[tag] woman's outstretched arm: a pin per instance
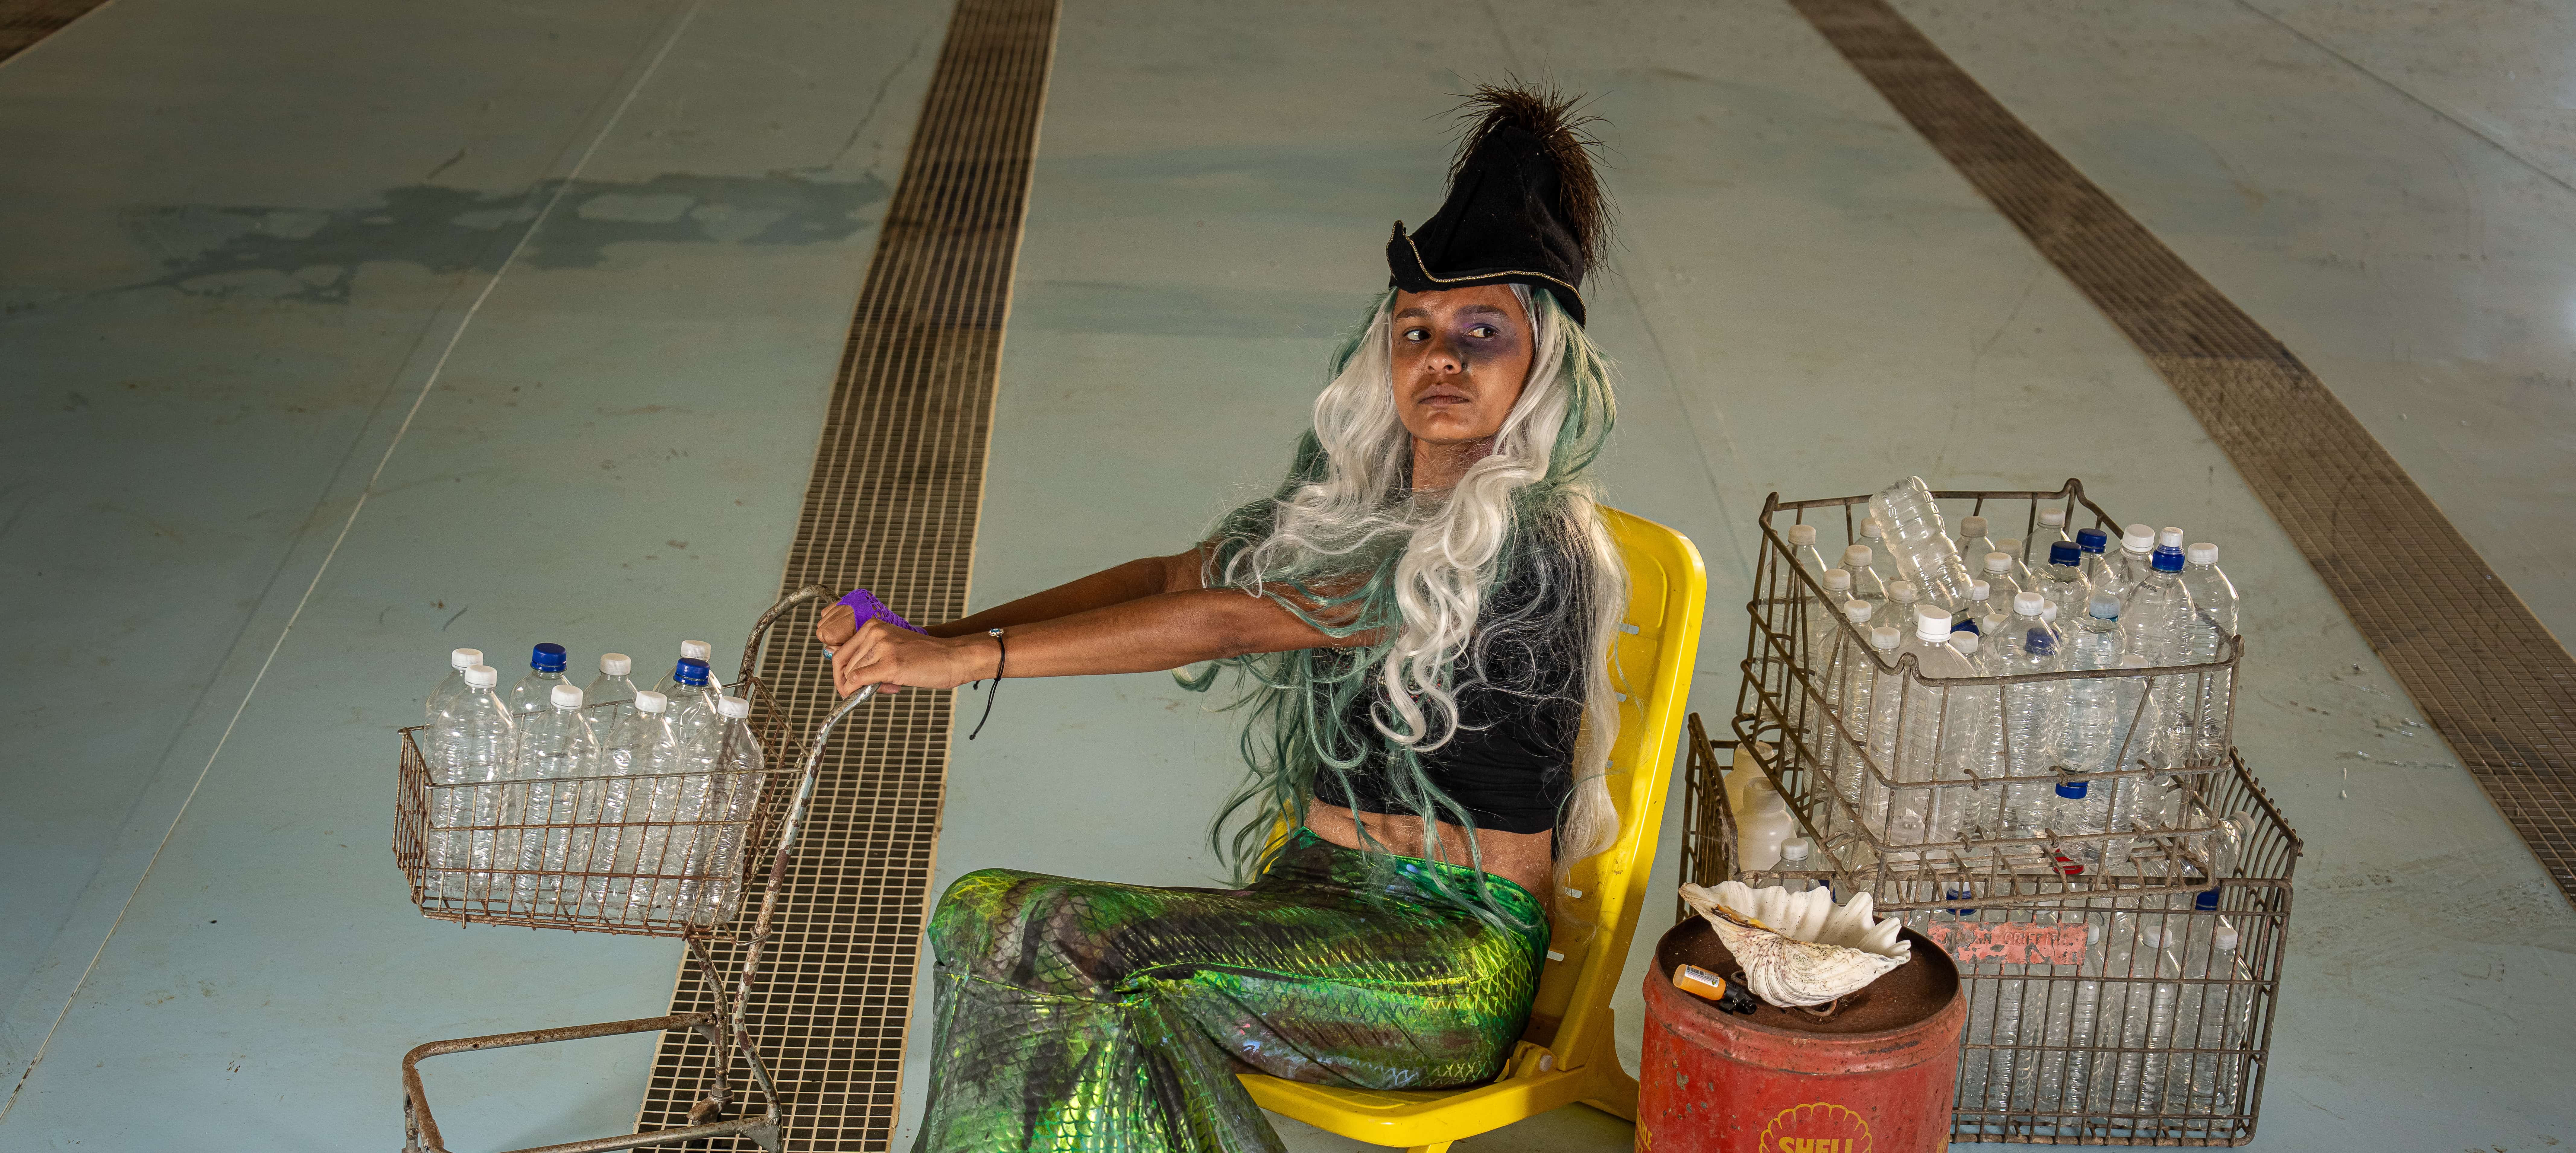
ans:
(1161, 631)
(1144, 577)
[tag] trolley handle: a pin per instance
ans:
(768, 620)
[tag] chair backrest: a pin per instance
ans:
(1651, 665)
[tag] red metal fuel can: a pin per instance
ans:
(1875, 1077)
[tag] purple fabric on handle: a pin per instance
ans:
(865, 607)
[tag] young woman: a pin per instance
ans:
(1418, 621)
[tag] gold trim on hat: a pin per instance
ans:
(1435, 278)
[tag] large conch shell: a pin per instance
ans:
(1800, 948)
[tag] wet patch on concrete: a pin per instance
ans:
(307, 254)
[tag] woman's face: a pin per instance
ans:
(1461, 357)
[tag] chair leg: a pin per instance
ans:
(1613, 1091)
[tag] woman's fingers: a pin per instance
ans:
(835, 625)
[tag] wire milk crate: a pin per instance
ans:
(2103, 1008)
(1913, 786)
(667, 855)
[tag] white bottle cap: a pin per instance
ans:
(2202, 553)
(732, 708)
(2138, 538)
(2104, 605)
(1837, 580)
(482, 676)
(1858, 611)
(1998, 562)
(2153, 936)
(1972, 526)
(651, 703)
(1885, 637)
(468, 658)
(1871, 528)
(2053, 517)
(2029, 604)
(1931, 624)
(2048, 610)
(616, 664)
(1794, 850)
(1980, 590)
(567, 696)
(2169, 537)
(1856, 557)
(1802, 534)
(1902, 593)
(2133, 660)
(2225, 940)
(1966, 642)
(698, 649)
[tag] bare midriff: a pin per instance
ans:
(1521, 858)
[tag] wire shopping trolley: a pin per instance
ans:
(656, 855)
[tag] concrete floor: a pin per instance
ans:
(234, 303)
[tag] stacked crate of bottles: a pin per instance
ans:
(2054, 800)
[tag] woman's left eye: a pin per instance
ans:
(1483, 332)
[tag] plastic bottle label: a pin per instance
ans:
(2008, 942)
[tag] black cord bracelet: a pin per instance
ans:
(1001, 658)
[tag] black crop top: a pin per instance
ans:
(1510, 763)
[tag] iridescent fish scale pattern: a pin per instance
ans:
(1085, 1016)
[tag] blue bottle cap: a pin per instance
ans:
(2092, 540)
(2205, 901)
(2037, 643)
(2167, 560)
(2065, 553)
(1967, 624)
(2072, 790)
(548, 658)
(691, 672)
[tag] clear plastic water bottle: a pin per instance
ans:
(1939, 732)
(1840, 656)
(1883, 697)
(612, 694)
(2065, 993)
(693, 702)
(2062, 580)
(642, 744)
(657, 763)
(2129, 565)
(1973, 542)
(2093, 724)
(2034, 713)
(1919, 544)
(553, 745)
(2137, 740)
(2052, 528)
(1976, 811)
(1867, 584)
(735, 792)
(1902, 600)
(1970, 617)
(2214, 627)
(2095, 544)
(1825, 626)
(1802, 548)
(2156, 618)
(1794, 854)
(1980, 1032)
(2023, 579)
(471, 750)
(2163, 1006)
(2226, 1024)
(1998, 574)
(535, 692)
(699, 651)
(454, 686)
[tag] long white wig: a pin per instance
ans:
(1347, 544)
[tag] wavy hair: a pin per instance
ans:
(1347, 544)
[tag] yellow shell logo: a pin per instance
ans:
(1815, 1127)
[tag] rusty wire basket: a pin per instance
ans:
(2078, 1032)
(1889, 795)
(662, 855)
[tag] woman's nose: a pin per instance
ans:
(1444, 359)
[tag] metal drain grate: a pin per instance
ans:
(2486, 673)
(23, 22)
(897, 484)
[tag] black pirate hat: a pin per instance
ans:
(1523, 208)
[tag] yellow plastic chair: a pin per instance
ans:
(1566, 1054)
